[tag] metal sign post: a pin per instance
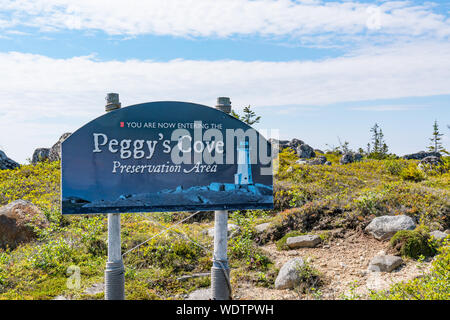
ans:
(220, 272)
(115, 271)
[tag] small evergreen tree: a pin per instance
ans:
(378, 149)
(249, 116)
(436, 144)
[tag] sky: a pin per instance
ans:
(320, 71)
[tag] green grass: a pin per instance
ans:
(307, 198)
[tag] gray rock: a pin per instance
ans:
(438, 235)
(430, 162)
(328, 163)
(200, 294)
(421, 155)
(357, 157)
(384, 263)
(320, 160)
(288, 277)
(231, 229)
(260, 228)
(55, 151)
(301, 161)
(283, 144)
(295, 143)
(384, 227)
(40, 154)
(306, 241)
(350, 157)
(7, 163)
(305, 151)
(346, 158)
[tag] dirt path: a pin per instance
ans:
(343, 263)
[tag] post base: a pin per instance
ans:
(219, 284)
(114, 281)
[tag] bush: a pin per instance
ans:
(310, 278)
(53, 257)
(412, 173)
(395, 167)
(369, 202)
(242, 247)
(412, 243)
(282, 196)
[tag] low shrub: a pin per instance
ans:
(369, 203)
(242, 247)
(412, 173)
(395, 166)
(413, 244)
(309, 278)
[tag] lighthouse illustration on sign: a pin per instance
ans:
(244, 170)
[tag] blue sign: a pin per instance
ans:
(165, 156)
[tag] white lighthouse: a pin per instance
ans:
(244, 170)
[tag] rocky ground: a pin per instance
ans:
(343, 263)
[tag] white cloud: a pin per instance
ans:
(224, 18)
(39, 95)
(395, 107)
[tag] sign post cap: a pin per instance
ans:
(112, 102)
(224, 104)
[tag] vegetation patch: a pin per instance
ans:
(310, 279)
(432, 286)
(413, 244)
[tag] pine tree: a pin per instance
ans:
(436, 145)
(375, 138)
(379, 148)
(249, 116)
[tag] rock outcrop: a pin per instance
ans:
(55, 151)
(421, 155)
(350, 158)
(40, 154)
(7, 163)
(320, 160)
(18, 222)
(430, 162)
(283, 144)
(384, 227)
(305, 151)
